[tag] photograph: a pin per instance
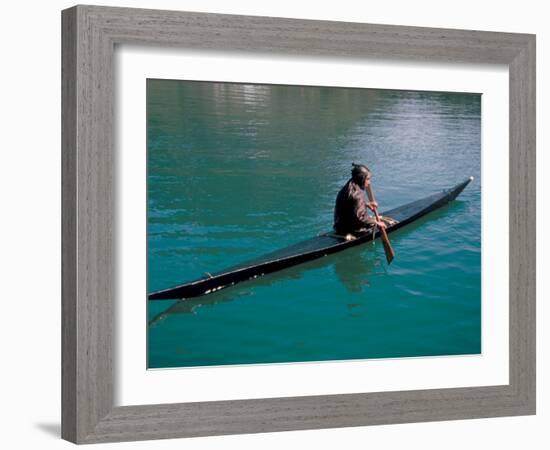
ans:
(293, 224)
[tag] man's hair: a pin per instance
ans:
(359, 173)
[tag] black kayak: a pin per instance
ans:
(307, 250)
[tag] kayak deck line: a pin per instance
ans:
(307, 250)
(351, 237)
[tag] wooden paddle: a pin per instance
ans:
(387, 246)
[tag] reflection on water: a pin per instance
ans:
(354, 280)
(354, 267)
(236, 170)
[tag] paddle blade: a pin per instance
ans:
(388, 250)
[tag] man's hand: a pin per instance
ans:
(381, 224)
(372, 205)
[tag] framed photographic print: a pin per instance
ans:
(278, 224)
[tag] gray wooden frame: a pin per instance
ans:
(89, 36)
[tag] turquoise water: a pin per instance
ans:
(238, 170)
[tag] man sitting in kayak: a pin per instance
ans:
(351, 209)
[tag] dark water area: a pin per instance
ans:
(238, 170)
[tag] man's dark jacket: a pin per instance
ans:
(350, 211)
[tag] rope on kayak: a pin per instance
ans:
(347, 237)
(351, 237)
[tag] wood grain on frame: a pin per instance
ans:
(89, 37)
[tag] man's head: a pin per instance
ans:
(361, 175)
